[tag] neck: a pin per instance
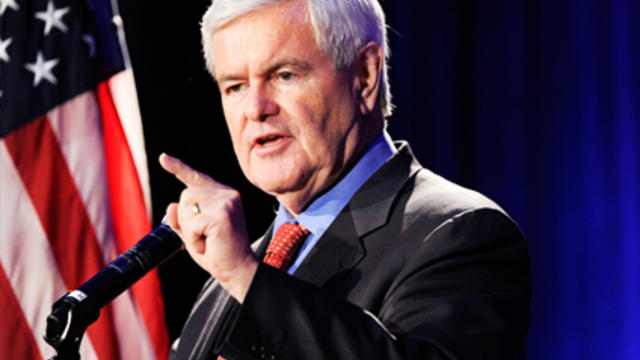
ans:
(295, 202)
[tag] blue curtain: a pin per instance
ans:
(537, 104)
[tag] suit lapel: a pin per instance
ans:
(339, 249)
(342, 246)
(372, 204)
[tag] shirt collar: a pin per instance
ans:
(322, 211)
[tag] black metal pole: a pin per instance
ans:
(75, 311)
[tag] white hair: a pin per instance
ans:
(342, 28)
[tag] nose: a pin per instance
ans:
(260, 104)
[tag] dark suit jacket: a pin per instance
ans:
(415, 267)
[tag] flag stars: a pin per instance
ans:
(4, 44)
(52, 17)
(4, 4)
(41, 69)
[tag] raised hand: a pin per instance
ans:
(210, 220)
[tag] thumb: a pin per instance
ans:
(184, 172)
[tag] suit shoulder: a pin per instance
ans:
(434, 195)
(428, 201)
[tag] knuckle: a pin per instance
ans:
(234, 196)
(195, 176)
(213, 232)
(228, 205)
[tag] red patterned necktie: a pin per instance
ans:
(284, 247)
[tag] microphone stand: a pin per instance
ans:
(66, 326)
(75, 311)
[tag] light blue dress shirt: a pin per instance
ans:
(318, 216)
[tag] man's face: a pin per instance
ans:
(293, 118)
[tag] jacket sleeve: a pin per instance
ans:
(463, 294)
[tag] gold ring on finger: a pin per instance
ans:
(196, 209)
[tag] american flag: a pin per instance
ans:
(73, 180)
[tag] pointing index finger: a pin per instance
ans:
(184, 172)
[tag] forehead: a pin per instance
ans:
(264, 36)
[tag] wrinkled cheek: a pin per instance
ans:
(277, 175)
(234, 120)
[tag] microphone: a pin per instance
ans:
(76, 310)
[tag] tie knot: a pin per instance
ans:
(285, 245)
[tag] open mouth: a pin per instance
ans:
(262, 141)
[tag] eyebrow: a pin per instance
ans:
(301, 65)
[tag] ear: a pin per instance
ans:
(369, 62)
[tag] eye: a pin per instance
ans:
(233, 89)
(286, 76)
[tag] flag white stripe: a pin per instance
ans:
(131, 331)
(78, 129)
(26, 256)
(125, 98)
(77, 126)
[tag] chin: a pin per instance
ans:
(277, 185)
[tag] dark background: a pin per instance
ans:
(534, 103)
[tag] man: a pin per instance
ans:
(396, 262)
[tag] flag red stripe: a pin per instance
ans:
(130, 221)
(16, 340)
(36, 153)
